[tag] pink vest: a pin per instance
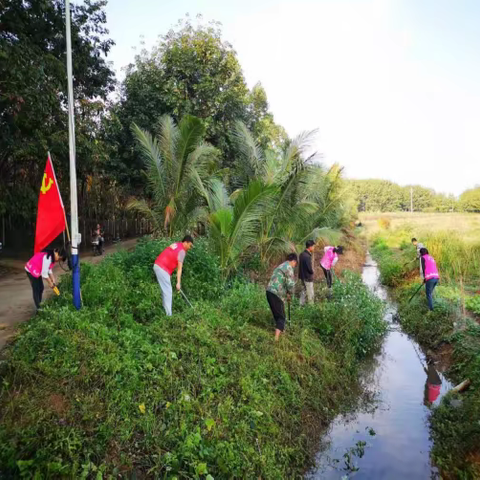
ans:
(328, 258)
(34, 265)
(431, 270)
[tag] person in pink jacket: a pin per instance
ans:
(40, 267)
(328, 261)
(429, 270)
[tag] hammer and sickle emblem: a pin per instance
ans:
(45, 188)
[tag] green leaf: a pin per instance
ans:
(209, 423)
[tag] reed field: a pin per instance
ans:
(467, 225)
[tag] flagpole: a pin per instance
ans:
(76, 239)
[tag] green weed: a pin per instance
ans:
(118, 388)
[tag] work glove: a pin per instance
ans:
(56, 290)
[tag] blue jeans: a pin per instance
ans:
(429, 286)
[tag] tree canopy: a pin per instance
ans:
(470, 200)
(192, 71)
(384, 196)
(33, 93)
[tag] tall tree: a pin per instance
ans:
(470, 200)
(33, 91)
(260, 121)
(192, 71)
(177, 162)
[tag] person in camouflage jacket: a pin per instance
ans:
(279, 289)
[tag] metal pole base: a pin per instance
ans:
(77, 301)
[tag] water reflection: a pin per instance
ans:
(387, 436)
(433, 385)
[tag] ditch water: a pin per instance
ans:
(388, 438)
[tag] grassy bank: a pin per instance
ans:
(118, 388)
(452, 329)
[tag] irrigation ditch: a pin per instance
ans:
(388, 435)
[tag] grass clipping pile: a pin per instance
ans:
(120, 389)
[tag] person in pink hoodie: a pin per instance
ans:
(328, 261)
(40, 267)
(429, 270)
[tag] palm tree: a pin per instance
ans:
(234, 221)
(178, 162)
(306, 202)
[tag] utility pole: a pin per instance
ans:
(411, 199)
(76, 237)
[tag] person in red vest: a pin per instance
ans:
(433, 385)
(40, 266)
(165, 264)
(430, 274)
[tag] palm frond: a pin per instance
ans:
(144, 209)
(250, 155)
(168, 137)
(218, 195)
(191, 132)
(248, 210)
(151, 152)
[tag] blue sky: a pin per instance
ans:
(393, 86)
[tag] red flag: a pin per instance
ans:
(50, 213)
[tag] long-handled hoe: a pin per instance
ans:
(416, 291)
(186, 299)
(409, 262)
(418, 355)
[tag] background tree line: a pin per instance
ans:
(384, 196)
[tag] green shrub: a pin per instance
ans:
(392, 266)
(473, 304)
(353, 316)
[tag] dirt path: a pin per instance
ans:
(16, 303)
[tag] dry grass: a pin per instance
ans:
(466, 224)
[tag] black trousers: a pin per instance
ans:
(37, 288)
(278, 310)
(328, 276)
